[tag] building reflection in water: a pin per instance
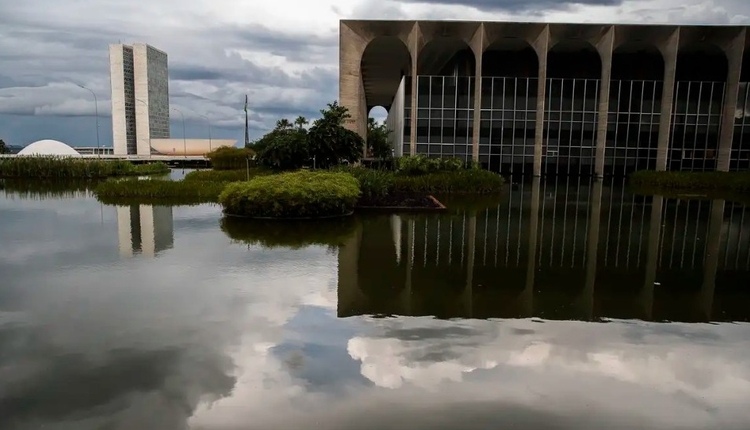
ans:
(570, 249)
(144, 229)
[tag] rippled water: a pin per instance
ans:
(564, 305)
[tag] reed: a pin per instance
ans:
(66, 167)
(150, 191)
(728, 181)
(225, 175)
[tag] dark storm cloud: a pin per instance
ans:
(518, 5)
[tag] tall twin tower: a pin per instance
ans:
(139, 76)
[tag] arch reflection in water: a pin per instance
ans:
(568, 249)
(144, 229)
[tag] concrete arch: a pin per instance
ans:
(638, 61)
(702, 61)
(385, 61)
(510, 57)
(566, 57)
(427, 32)
(447, 56)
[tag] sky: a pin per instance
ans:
(283, 54)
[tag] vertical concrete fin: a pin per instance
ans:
(541, 46)
(477, 45)
(734, 51)
(605, 47)
(414, 48)
(669, 50)
(351, 87)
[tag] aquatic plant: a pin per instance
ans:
(225, 175)
(66, 167)
(149, 191)
(302, 194)
(735, 181)
(376, 183)
(230, 158)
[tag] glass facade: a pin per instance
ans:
(445, 114)
(696, 122)
(128, 68)
(633, 126)
(570, 117)
(507, 124)
(740, 159)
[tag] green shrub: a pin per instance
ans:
(735, 181)
(230, 158)
(373, 183)
(158, 191)
(224, 175)
(376, 183)
(290, 234)
(422, 164)
(300, 194)
(66, 167)
(461, 182)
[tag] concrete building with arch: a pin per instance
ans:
(537, 98)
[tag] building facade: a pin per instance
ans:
(139, 78)
(535, 98)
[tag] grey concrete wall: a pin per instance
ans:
(117, 86)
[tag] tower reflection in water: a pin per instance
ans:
(570, 249)
(144, 229)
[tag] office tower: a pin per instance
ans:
(144, 229)
(139, 78)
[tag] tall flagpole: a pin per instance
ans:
(247, 142)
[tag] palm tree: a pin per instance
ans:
(301, 122)
(283, 124)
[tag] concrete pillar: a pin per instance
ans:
(669, 52)
(527, 295)
(541, 46)
(349, 295)
(711, 262)
(652, 258)
(477, 45)
(471, 245)
(734, 52)
(414, 48)
(592, 251)
(605, 47)
(351, 87)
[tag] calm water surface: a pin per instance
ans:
(563, 305)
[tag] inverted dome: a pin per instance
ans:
(49, 147)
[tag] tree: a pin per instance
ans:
(329, 142)
(284, 149)
(283, 124)
(300, 122)
(4, 148)
(377, 140)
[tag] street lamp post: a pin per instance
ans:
(149, 128)
(184, 139)
(96, 113)
(208, 120)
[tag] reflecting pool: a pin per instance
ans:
(563, 304)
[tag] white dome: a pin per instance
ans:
(49, 147)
